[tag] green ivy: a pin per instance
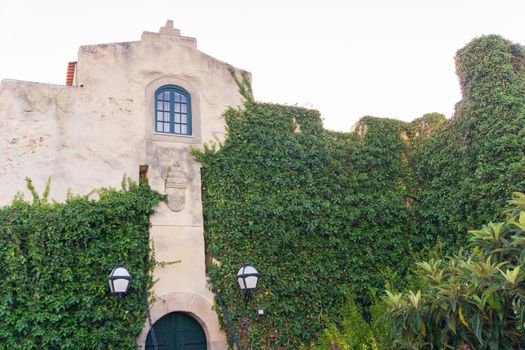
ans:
(56, 258)
(465, 172)
(319, 211)
(313, 210)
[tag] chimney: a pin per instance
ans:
(70, 77)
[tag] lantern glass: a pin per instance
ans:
(251, 282)
(240, 280)
(119, 280)
(249, 269)
(120, 285)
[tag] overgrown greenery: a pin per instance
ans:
(315, 211)
(465, 172)
(319, 211)
(55, 260)
(472, 300)
(352, 332)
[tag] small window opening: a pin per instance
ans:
(143, 173)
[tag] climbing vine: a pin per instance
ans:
(314, 211)
(321, 212)
(465, 172)
(56, 258)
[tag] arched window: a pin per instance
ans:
(172, 110)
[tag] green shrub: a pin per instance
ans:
(472, 300)
(55, 260)
(352, 332)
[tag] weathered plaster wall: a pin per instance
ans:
(91, 134)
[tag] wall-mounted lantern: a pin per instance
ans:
(247, 277)
(119, 280)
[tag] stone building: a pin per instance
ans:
(132, 108)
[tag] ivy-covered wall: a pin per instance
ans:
(321, 212)
(55, 260)
(466, 171)
(314, 211)
(317, 212)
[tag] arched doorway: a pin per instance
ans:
(177, 331)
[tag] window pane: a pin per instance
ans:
(172, 111)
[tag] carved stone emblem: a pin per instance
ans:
(176, 185)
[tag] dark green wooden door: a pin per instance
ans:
(177, 331)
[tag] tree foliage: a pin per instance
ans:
(55, 260)
(472, 300)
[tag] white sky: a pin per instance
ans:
(388, 58)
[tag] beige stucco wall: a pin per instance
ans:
(91, 134)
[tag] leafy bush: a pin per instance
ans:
(472, 300)
(55, 260)
(352, 332)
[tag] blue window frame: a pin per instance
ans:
(172, 110)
